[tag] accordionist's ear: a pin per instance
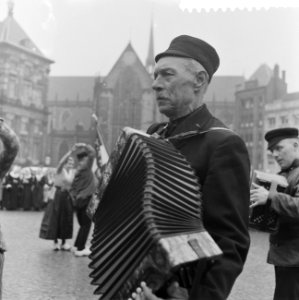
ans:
(202, 79)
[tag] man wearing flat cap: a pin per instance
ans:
(218, 156)
(283, 143)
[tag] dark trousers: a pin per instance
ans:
(85, 224)
(287, 283)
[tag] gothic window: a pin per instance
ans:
(248, 103)
(12, 87)
(271, 121)
(27, 91)
(27, 72)
(296, 119)
(23, 127)
(63, 149)
(64, 117)
(284, 120)
(35, 151)
(37, 97)
(24, 150)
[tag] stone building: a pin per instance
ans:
(282, 112)
(263, 87)
(24, 74)
(51, 113)
(70, 105)
(220, 97)
(125, 97)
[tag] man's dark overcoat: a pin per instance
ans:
(220, 160)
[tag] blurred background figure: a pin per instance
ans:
(38, 183)
(12, 189)
(27, 193)
(49, 187)
(82, 189)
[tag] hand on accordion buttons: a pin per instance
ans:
(258, 196)
(174, 291)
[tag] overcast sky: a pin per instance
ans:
(86, 37)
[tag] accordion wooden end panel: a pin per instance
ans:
(148, 224)
(263, 217)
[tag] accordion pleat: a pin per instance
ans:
(152, 193)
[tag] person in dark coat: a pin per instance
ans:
(284, 241)
(219, 158)
(11, 184)
(82, 189)
(38, 184)
(27, 189)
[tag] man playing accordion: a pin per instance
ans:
(218, 156)
(284, 241)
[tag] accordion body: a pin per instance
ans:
(148, 224)
(262, 217)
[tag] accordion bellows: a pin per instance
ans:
(148, 224)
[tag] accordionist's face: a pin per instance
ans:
(285, 152)
(175, 86)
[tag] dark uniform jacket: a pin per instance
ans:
(221, 162)
(284, 243)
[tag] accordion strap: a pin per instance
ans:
(188, 133)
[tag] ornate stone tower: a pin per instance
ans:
(24, 72)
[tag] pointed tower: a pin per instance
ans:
(150, 61)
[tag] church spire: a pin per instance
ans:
(10, 5)
(150, 61)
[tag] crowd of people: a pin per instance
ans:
(60, 192)
(23, 188)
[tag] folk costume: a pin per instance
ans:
(220, 160)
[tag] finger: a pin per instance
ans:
(177, 292)
(172, 288)
(253, 197)
(147, 291)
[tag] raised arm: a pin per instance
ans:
(63, 161)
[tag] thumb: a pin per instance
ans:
(177, 292)
(255, 185)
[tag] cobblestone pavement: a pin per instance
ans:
(256, 282)
(33, 271)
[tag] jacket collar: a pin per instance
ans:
(197, 121)
(294, 165)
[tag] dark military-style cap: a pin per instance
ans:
(276, 135)
(195, 48)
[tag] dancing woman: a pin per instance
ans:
(57, 223)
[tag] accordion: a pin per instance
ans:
(148, 224)
(263, 217)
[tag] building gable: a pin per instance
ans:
(11, 33)
(128, 60)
